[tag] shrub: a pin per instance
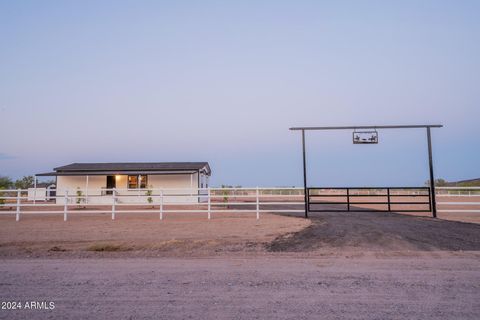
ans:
(5, 182)
(80, 199)
(149, 195)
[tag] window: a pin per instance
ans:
(136, 182)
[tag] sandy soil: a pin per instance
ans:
(429, 286)
(141, 234)
(183, 235)
(334, 266)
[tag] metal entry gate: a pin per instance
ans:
(403, 199)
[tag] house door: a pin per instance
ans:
(110, 184)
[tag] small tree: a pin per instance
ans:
(25, 183)
(2, 201)
(149, 194)
(225, 193)
(438, 182)
(5, 182)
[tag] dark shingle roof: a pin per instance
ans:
(135, 166)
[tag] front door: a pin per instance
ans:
(110, 184)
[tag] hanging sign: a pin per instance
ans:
(365, 137)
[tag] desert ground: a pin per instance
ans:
(362, 286)
(358, 265)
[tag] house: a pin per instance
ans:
(131, 181)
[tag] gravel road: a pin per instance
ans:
(434, 285)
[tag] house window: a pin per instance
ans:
(136, 182)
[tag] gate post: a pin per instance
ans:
(432, 179)
(304, 175)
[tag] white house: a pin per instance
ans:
(131, 181)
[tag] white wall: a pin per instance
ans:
(185, 182)
(37, 194)
(70, 183)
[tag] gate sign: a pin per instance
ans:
(365, 137)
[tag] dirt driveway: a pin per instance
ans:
(427, 286)
(379, 231)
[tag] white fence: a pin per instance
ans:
(163, 201)
(467, 193)
(206, 201)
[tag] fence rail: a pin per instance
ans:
(163, 201)
(209, 201)
(464, 193)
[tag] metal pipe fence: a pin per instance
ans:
(361, 199)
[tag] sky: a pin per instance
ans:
(223, 81)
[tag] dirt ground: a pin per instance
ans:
(180, 235)
(428, 286)
(379, 232)
(141, 234)
(358, 265)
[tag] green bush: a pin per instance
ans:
(149, 194)
(80, 198)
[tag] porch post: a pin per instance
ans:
(191, 186)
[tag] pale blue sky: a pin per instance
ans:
(222, 81)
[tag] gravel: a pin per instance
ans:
(429, 286)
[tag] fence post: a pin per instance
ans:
(65, 206)
(348, 199)
(161, 204)
(388, 200)
(209, 204)
(114, 193)
(34, 190)
(17, 217)
(258, 204)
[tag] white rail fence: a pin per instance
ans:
(116, 201)
(466, 193)
(207, 201)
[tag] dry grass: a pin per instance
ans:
(108, 247)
